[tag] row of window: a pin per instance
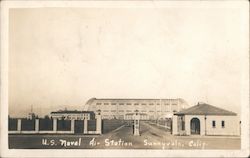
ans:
(157, 108)
(133, 111)
(133, 104)
(71, 117)
(222, 124)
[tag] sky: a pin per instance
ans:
(61, 57)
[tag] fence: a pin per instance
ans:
(47, 125)
(164, 123)
(12, 124)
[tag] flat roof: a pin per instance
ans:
(70, 112)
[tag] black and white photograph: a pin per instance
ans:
(125, 78)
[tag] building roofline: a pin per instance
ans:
(70, 111)
(202, 109)
(134, 99)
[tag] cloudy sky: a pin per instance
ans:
(61, 57)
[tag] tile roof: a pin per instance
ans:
(204, 109)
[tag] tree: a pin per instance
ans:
(46, 116)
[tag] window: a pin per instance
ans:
(98, 103)
(213, 124)
(136, 103)
(128, 103)
(113, 103)
(223, 124)
(113, 110)
(106, 103)
(121, 103)
(143, 104)
(151, 103)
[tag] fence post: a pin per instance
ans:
(54, 125)
(175, 125)
(98, 124)
(72, 126)
(19, 124)
(85, 130)
(37, 125)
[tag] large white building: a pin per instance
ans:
(124, 108)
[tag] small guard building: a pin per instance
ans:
(205, 119)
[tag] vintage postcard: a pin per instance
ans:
(124, 79)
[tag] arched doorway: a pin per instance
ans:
(195, 126)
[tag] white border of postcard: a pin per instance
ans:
(5, 152)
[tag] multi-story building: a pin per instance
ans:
(149, 109)
(72, 115)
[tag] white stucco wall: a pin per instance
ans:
(232, 126)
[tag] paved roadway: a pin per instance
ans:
(152, 137)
